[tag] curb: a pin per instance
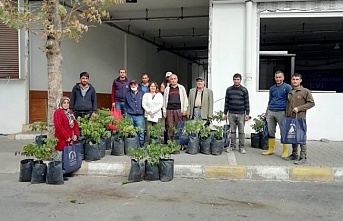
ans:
(239, 172)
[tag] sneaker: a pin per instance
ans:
(291, 157)
(228, 150)
(301, 161)
(242, 151)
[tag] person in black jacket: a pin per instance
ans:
(83, 97)
(237, 109)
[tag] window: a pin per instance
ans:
(9, 56)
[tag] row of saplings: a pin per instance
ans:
(34, 169)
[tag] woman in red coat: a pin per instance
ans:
(66, 127)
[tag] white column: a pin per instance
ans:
(248, 34)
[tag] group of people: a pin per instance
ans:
(148, 103)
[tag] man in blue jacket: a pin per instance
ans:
(83, 97)
(276, 111)
(134, 110)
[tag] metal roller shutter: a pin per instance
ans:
(9, 57)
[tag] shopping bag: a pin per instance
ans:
(116, 114)
(227, 135)
(293, 131)
(71, 158)
(181, 133)
(265, 129)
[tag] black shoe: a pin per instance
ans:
(65, 178)
(291, 157)
(301, 161)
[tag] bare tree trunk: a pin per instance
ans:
(54, 62)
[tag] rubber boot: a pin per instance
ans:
(284, 151)
(271, 147)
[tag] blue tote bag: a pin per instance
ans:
(184, 138)
(71, 158)
(293, 131)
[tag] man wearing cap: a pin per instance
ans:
(165, 84)
(134, 110)
(200, 102)
(120, 86)
(175, 104)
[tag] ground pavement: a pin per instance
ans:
(325, 163)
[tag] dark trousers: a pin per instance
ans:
(173, 117)
(81, 114)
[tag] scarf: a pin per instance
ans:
(70, 117)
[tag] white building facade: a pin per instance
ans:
(234, 47)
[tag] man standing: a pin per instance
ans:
(175, 104)
(83, 97)
(166, 82)
(200, 102)
(145, 82)
(119, 87)
(134, 110)
(237, 109)
(299, 101)
(276, 111)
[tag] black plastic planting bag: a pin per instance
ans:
(108, 143)
(118, 147)
(102, 148)
(92, 152)
(136, 171)
(151, 172)
(205, 145)
(38, 172)
(217, 146)
(130, 142)
(193, 145)
(25, 170)
(166, 170)
(255, 140)
(55, 173)
(39, 140)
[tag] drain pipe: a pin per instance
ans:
(248, 49)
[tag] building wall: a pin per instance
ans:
(102, 52)
(228, 57)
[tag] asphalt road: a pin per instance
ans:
(106, 198)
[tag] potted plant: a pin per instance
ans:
(153, 151)
(104, 117)
(217, 143)
(155, 132)
(138, 157)
(118, 139)
(205, 140)
(257, 126)
(166, 163)
(192, 128)
(93, 132)
(39, 126)
(37, 167)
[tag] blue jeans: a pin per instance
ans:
(121, 106)
(138, 121)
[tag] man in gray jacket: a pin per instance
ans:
(200, 102)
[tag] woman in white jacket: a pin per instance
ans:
(152, 104)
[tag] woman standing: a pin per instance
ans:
(66, 127)
(152, 104)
